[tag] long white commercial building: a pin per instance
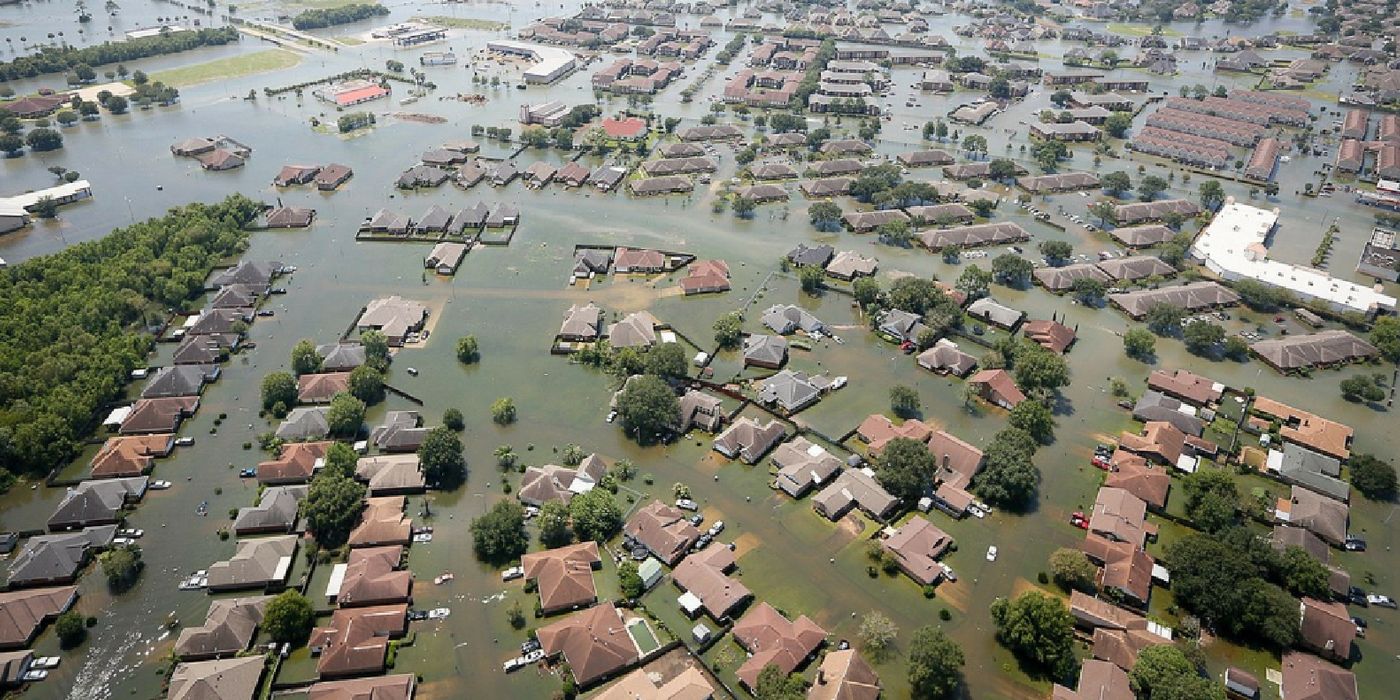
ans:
(552, 62)
(1233, 246)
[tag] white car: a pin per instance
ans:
(716, 528)
(132, 533)
(158, 485)
(438, 613)
(37, 674)
(948, 572)
(512, 573)
(184, 441)
(992, 553)
(1383, 601)
(45, 662)
(687, 504)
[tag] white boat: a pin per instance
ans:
(158, 485)
(45, 662)
(438, 613)
(34, 675)
(442, 578)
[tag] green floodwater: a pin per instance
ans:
(512, 299)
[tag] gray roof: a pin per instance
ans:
(1313, 471)
(305, 423)
(786, 318)
(227, 630)
(1191, 297)
(990, 311)
(57, 557)
(946, 355)
(802, 465)
(339, 357)
(276, 510)
(1136, 267)
(902, 324)
(255, 563)
(815, 255)
(749, 440)
(96, 502)
(246, 272)
(1058, 279)
(974, 236)
(180, 380)
(790, 390)
(770, 350)
(221, 679)
(1156, 406)
(1328, 347)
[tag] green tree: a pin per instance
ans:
(1116, 183)
(1009, 477)
(376, 347)
(1212, 194)
(67, 117)
(1202, 337)
(554, 524)
(1301, 574)
(1072, 569)
(279, 389)
(1105, 210)
(452, 418)
(1212, 499)
(1220, 579)
(743, 207)
(1039, 369)
(332, 507)
(1139, 343)
(1035, 418)
(729, 330)
(467, 352)
(1150, 186)
(289, 618)
(935, 665)
(1056, 251)
(823, 215)
(346, 415)
(503, 411)
(340, 459)
(905, 467)
(877, 633)
(1163, 318)
(116, 104)
(648, 408)
(866, 290)
(1374, 478)
(1117, 124)
(1385, 335)
(1039, 631)
(499, 536)
(42, 139)
(904, 401)
(973, 281)
(122, 566)
(915, 295)
(596, 515)
(1163, 672)
(1236, 348)
(70, 629)
(1002, 169)
(305, 359)
(1362, 388)
(773, 684)
(1011, 270)
(11, 144)
(1088, 291)
(630, 580)
(667, 360)
(895, 233)
(367, 384)
(440, 458)
(812, 278)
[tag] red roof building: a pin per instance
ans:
(627, 129)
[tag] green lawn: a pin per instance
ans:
(482, 25)
(1138, 30)
(232, 67)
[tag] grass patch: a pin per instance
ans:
(1138, 30)
(483, 25)
(231, 67)
(349, 40)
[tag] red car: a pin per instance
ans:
(1100, 461)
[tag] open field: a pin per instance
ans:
(232, 67)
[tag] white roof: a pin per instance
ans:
(1232, 246)
(337, 580)
(117, 416)
(29, 199)
(551, 58)
(689, 602)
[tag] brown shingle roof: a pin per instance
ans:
(564, 575)
(372, 577)
(357, 639)
(594, 642)
(771, 638)
(23, 612)
(663, 530)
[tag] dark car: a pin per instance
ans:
(417, 614)
(1354, 544)
(248, 473)
(1358, 597)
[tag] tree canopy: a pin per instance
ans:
(75, 322)
(1039, 630)
(648, 408)
(332, 507)
(1221, 578)
(905, 468)
(1163, 672)
(440, 458)
(1212, 500)
(596, 515)
(288, 618)
(498, 535)
(1374, 478)
(346, 415)
(1009, 478)
(935, 664)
